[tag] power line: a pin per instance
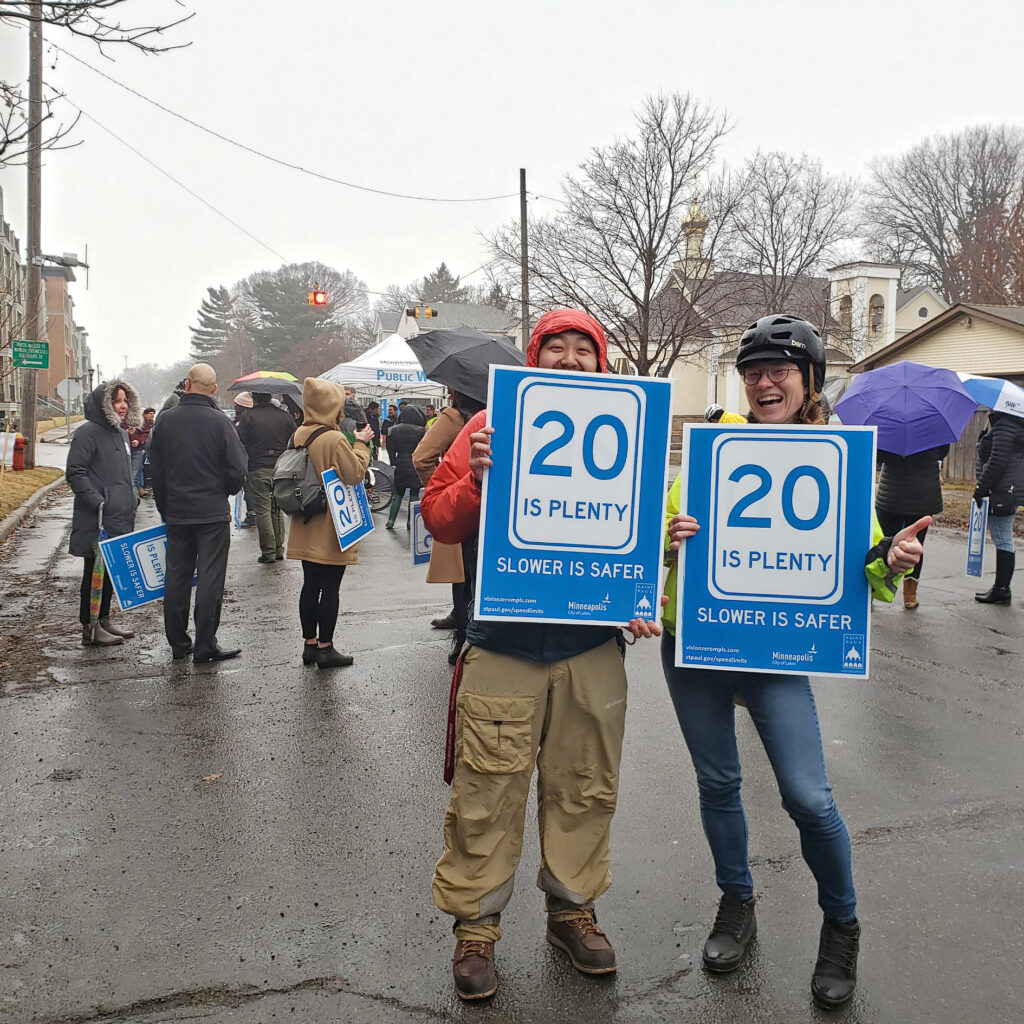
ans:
(180, 184)
(274, 159)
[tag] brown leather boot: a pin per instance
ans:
(113, 630)
(909, 593)
(588, 947)
(473, 969)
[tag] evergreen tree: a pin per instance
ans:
(216, 322)
(442, 286)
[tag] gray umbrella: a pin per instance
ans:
(460, 358)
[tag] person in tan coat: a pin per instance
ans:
(446, 559)
(315, 543)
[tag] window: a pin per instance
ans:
(876, 314)
(923, 312)
(846, 313)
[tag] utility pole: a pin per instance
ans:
(32, 242)
(524, 256)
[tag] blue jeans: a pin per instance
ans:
(1001, 530)
(783, 711)
(138, 472)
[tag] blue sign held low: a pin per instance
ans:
(349, 509)
(421, 539)
(976, 537)
(136, 563)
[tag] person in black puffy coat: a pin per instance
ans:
(99, 471)
(909, 488)
(1000, 470)
(402, 441)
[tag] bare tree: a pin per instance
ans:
(617, 245)
(792, 221)
(95, 20)
(950, 211)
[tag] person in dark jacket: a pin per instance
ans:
(402, 441)
(265, 431)
(138, 438)
(197, 461)
(243, 403)
(1000, 469)
(388, 422)
(909, 488)
(99, 471)
(373, 418)
(528, 694)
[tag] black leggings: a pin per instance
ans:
(462, 595)
(891, 524)
(86, 592)
(318, 600)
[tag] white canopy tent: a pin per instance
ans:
(389, 368)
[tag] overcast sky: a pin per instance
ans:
(449, 100)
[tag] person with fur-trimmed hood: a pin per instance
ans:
(528, 693)
(99, 471)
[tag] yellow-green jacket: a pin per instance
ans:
(883, 580)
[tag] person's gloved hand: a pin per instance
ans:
(979, 496)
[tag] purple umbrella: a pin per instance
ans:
(915, 407)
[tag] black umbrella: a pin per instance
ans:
(267, 382)
(460, 358)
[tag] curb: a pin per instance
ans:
(14, 519)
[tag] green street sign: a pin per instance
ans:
(31, 355)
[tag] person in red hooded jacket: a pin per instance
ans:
(528, 693)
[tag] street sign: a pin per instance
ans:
(30, 355)
(976, 537)
(421, 539)
(349, 509)
(572, 513)
(774, 580)
(137, 564)
(69, 389)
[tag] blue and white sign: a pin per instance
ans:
(573, 507)
(976, 537)
(421, 539)
(136, 565)
(774, 580)
(349, 509)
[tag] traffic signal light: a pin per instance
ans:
(414, 311)
(317, 298)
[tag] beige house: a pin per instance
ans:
(12, 319)
(987, 340)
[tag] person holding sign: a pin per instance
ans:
(782, 362)
(314, 541)
(527, 693)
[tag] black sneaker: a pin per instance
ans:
(835, 974)
(735, 925)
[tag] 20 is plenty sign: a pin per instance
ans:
(774, 581)
(572, 518)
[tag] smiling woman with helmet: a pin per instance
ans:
(782, 362)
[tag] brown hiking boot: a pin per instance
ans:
(473, 969)
(588, 947)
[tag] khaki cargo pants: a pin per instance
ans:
(568, 718)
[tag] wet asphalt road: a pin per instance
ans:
(254, 841)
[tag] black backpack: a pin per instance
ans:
(298, 489)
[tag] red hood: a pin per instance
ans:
(559, 320)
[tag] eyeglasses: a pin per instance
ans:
(776, 374)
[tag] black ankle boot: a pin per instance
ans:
(309, 654)
(1000, 592)
(328, 657)
(735, 925)
(835, 973)
(458, 639)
